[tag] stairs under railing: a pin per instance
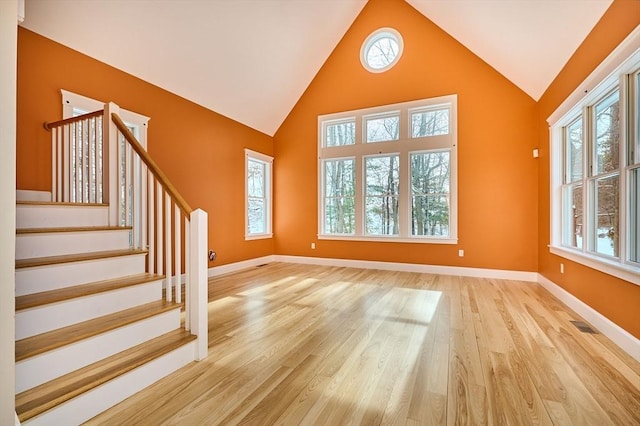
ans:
(96, 159)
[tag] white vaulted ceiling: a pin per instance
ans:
(251, 60)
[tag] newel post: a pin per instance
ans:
(199, 286)
(110, 158)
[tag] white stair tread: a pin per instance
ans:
(67, 293)
(41, 343)
(48, 395)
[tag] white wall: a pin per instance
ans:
(8, 60)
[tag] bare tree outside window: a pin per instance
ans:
(382, 176)
(607, 161)
(383, 129)
(430, 193)
(339, 196)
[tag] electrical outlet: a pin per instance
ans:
(313, 246)
(562, 268)
(461, 253)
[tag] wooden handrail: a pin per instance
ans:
(151, 165)
(49, 126)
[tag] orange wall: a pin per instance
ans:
(496, 134)
(616, 299)
(200, 151)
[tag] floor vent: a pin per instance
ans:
(260, 266)
(584, 327)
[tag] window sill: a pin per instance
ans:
(389, 239)
(257, 237)
(624, 272)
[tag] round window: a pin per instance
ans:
(381, 50)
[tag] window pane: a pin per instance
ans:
(256, 215)
(340, 134)
(607, 220)
(383, 129)
(634, 216)
(430, 123)
(607, 137)
(255, 179)
(430, 216)
(339, 197)
(381, 195)
(339, 216)
(383, 51)
(573, 148)
(429, 190)
(573, 222)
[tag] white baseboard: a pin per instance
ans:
(238, 266)
(413, 267)
(387, 266)
(617, 334)
(29, 195)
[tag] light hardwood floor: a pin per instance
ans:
(298, 344)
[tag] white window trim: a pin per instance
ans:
(623, 60)
(371, 39)
(268, 161)
(408, 145)
(71, 101)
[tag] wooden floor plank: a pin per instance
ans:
(304, 344)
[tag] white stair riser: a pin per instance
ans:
(59, 243)
(95, 401)
(49, 216)
(50, 365)
(51, 277)
(30, 322)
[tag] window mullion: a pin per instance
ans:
(404, 196)
(625, 125)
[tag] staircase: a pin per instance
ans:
(99, 313)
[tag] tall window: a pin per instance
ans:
(389, 173)
(258, 195)
(596, 169)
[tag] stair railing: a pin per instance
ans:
(96, 163)
(77, 166)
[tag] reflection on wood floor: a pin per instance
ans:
(298, 344)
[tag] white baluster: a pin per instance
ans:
(159, 227)
(111, 167)
(151, 212)
(59, 160)
(142, 223)
(77, 161)
(187, 274)
(167, 245)
(86, 158)
(67, 163)
(128, 182)
(54, 163)
(101, 160)
(178, 254)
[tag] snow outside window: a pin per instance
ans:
(595, 174)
